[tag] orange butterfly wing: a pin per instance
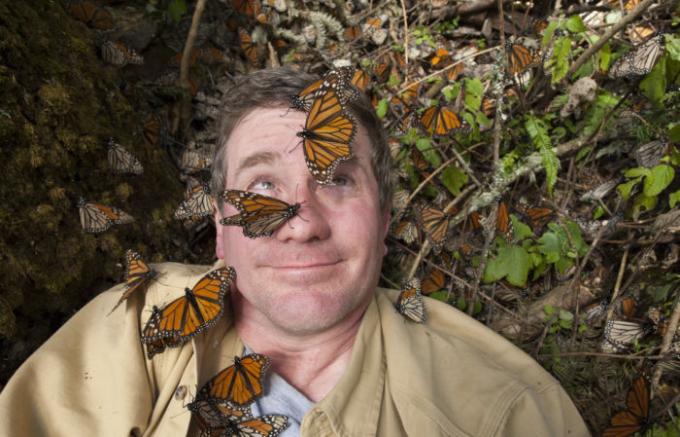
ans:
(327, 136)
(258, 215)
(239, 384)
(439, 120)
(636, 416)
(137, 275)
(436, 225)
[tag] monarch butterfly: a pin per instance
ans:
(407, 97)
(327, 136)
(186, 316)
(650, 154)
(628, 307)
(122, 161)
(520, 57)
(433, 282)
(120, 55)
(337, 79)
(488, 106)
(137, 275)
(436, 225)
(440, 55)
(250, 49)
(407, 231)
(88, 13)
(539, 217)
(628, 5)
(635, 418)
(259, 215)
(212, 414)
(410, 301)
(351, 33)
(475, 220)
(239, 384)
(250, 8)
(270, 425)
(197, 204)
(503, 221)
(360, 80)
(381, 71)
(440, 120)
(639, 61)
(96, 218)
(620, 334)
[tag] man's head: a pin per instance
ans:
(323, 265)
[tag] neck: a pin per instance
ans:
(313, 363)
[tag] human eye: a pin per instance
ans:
(342, 180)
(261, 184)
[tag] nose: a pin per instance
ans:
(312, 220)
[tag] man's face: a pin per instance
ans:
(323, 264)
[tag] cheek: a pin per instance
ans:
(358, 229)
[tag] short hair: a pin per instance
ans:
(271, 87)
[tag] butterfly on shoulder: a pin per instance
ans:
(270, 425)
(410, 301)
(197, 203)
(338, 79)
(639, 61)
(122, 161)
(138, 274)
(440, 120)
(239, 384)
(97, 218)
(211, 413)
(259, 215)
(185, 317)
(327, 136)
(635, 418)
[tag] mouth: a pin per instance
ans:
(306, 266)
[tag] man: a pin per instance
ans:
(344, 361)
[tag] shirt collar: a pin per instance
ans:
(352, 408)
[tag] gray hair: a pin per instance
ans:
(272, 87)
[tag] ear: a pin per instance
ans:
(219, 231)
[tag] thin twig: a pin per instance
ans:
(668, 338)
(403, 9)
(639, 9)
(617, 286)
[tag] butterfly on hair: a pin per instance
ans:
(337, 79)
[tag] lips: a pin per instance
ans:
(305, 266)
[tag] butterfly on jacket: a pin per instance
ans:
(337, 79)
(270, 425)
(638, 61)
(197, 203)
(327, 136)
(138, 274)
(183, 318)
(96, 218)
(122, 161)
(239, 384)
(410, 301)
(635, 418)
(259, 215)
(211, 413)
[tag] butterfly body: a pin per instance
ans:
(239, 384)
(183, 318)
(259, 215)
(327, 136)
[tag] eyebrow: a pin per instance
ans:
(256, 159)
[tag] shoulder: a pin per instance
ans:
(459, 371)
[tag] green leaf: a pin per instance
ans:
(674, 133)
(654, 85)
(575, 24)
(548, 33)
(604, 57)
(451, 91)
(636, 172)
(430, 154)
(661, 177)
(461, 303)
(453, 179)
(672, 44)
(626, 188)
(176, 8)
(474, 91)
(673, 198)
(598, 212)
(440, 295)
(549, 310)
(559, 61)
(566, 315)
(642, 203)
(538, 132)
(383, 106)
(549, 245)
(512, 263)
(597, 112)
(520, 230)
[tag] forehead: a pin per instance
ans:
(275, 130)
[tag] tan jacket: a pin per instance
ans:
(451, 376)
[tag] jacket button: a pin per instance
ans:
(180, 392)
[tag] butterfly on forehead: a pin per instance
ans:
(338, 79)
(327, 136)
(259, 215)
